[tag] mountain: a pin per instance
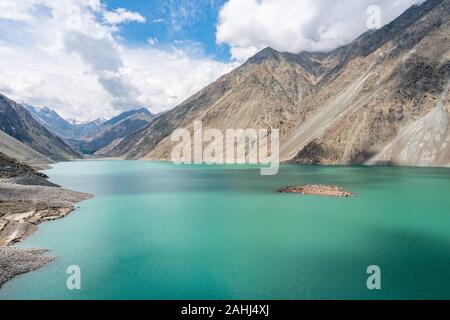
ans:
(381, 99)
(114, 130)
(68, 130)
(136, 113)
(13, 148)
(89, 137)
(18, 123)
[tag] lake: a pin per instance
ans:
(159, 231)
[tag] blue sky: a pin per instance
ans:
(186, 24)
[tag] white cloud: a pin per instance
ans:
(63, 54)
(152, 41)
(122, 15)
(165, 78)
(297, 25)
(18, 10)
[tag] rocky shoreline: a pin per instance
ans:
(15, 261)
(26, 200)
(319, 190)
(22, 208)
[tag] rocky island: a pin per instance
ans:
(319, 190)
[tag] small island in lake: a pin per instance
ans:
(320, 190)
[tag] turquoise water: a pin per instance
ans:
(158, 231)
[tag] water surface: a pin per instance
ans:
(159, 231)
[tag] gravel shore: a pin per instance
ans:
(22, 208)
(14, 261)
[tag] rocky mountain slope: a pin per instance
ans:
(13, 148)
(378, 100)
(96, 135)
(17, 122)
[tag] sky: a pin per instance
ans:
(90, 59)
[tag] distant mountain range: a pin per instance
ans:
(382, 99)
(113, 131)
(40, 136)
(66, 129)
(89, 137)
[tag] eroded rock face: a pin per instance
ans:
(319, 190)
(339, 107)
(398, 102)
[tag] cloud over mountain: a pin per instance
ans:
(72, 55)
(298, 25)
